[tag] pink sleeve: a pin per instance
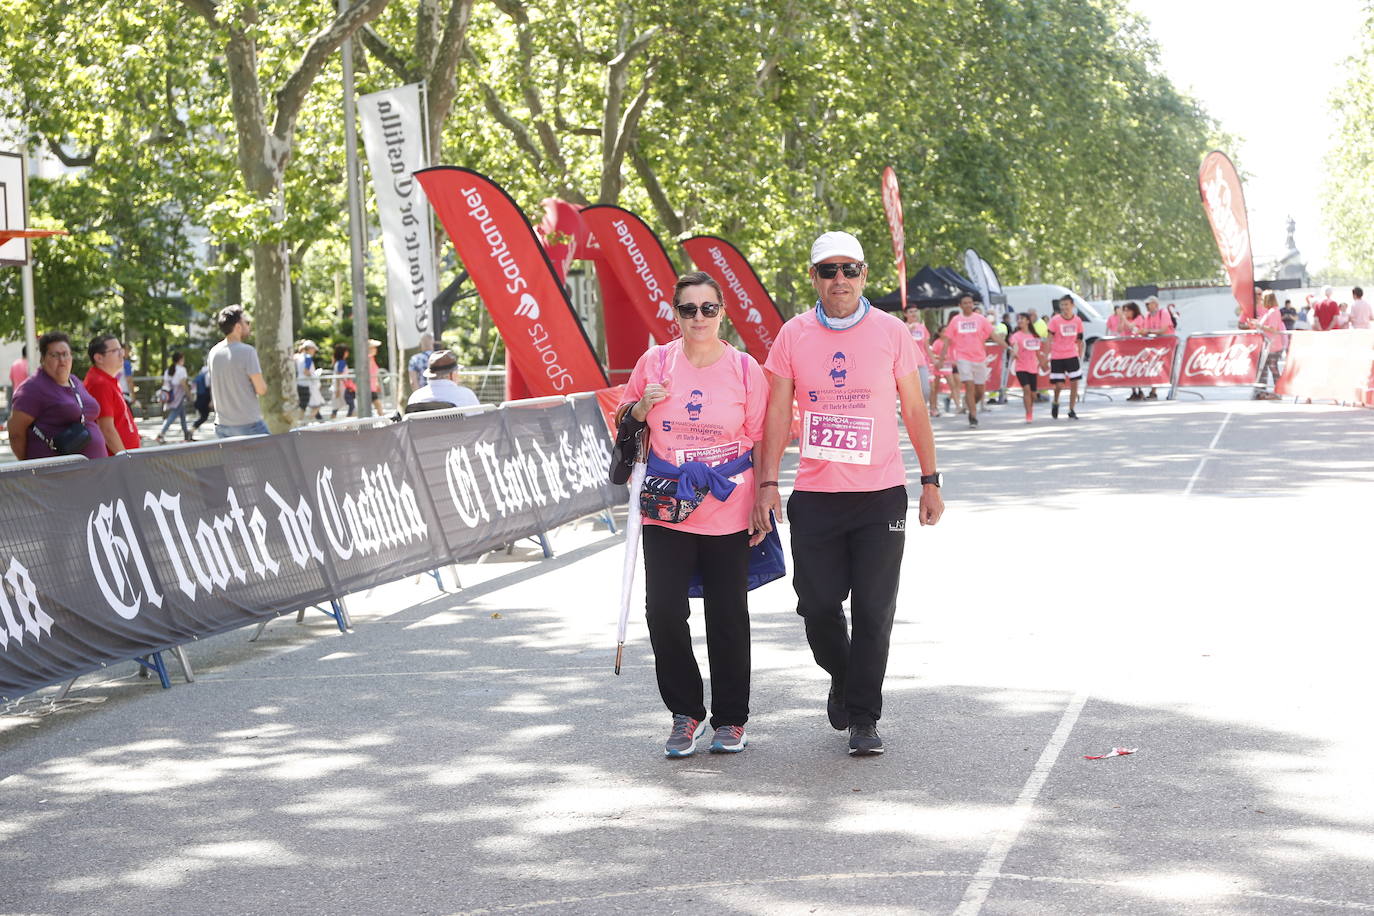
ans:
(634, 388)
(755, 401)
(906, 362)
(779, 360)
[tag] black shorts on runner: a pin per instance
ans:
(1028, 379)
(1061, 369)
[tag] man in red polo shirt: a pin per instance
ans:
(102, 381)
(1325, 312)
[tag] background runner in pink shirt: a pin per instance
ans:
(967, 332)
(1066, 354)
(1030, 360)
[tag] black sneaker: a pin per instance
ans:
(973, 422)
(1054, 410)
(1072, 415)
(835, 708)
(864, 740)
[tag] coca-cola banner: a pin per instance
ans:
(1224, 202)
(518, 285)
(1328, 366)
(751, 309)
(107, 560)
(892, 208)
(1212, 360)
(1132, 362)
(640, 263)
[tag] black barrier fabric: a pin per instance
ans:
(372, 509)
(499, 476)
(111, 559)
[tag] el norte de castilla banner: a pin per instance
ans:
(108, 560)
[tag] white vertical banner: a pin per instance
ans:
(973, 269)
(393, 124)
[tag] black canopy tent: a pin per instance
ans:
(930, 287)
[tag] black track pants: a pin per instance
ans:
(849, 545)
(670, 558)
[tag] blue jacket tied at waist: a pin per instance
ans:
(698, 476)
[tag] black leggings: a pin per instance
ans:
(670, 558)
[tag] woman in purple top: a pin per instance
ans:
(50, 401)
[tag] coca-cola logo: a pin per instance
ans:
(1145, 363)
(1233, 238)
(1236, 360)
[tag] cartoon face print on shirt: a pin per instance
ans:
(837, 370)
(696, 399)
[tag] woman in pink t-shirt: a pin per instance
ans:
(1031, 360)
(947, 367)
(1132, 325)
(924, 360)
(704, 403)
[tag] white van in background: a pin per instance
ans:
(1043, 298)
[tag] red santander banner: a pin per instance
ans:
(1132, 362)
(1222, 359)
(640, 264)
(892, 206)
(497, 245)
(1224, 202)
(748, 304)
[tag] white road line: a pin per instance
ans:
(1217, 437)
(1022, 812)
(1197, 472)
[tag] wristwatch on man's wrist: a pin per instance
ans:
(934, 480)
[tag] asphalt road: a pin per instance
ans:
(1185, 579)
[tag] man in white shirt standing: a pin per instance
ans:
(1361, 313)
(442, 389)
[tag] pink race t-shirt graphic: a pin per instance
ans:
(1064, 334)
(707, 417)
(849, 424)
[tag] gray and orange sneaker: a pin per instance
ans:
(682, 740)
(729, 739)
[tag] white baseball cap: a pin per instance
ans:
(836, 244)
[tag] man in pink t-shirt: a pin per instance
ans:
(1066, 355)
(1361, 313)
(967, 332)
(1156, 322)
(847, 366)
(19, 370)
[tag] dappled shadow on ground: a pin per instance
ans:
(462, 758)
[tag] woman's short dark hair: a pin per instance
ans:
(229, 318)
(50, 338)
(97, 345)
(695, 278)
(1132, 308)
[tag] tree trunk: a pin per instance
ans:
(272, 330)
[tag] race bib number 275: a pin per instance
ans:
(837, 437)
